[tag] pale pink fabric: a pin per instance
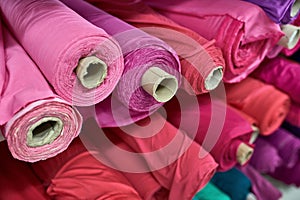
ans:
(56, 38)
(26, 99)
(267, 105)
(242, 30)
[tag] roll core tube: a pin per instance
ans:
(291, 37)
(214, 78)
(244, 153)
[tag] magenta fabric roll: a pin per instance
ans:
(141, 51)
(242, 30)
(56, 38)
(280, 11)
(262, 188)
(36, 123)
(220, 129)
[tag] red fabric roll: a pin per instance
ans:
(267, 105)
(201, 61)
(220, 128)
(17, 180)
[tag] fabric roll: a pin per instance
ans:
(2, 61)
(211, 192)
(77, 174)
(261, 101)
(147, 59)
(17, 180)
(202, 63)
(61, 43)
(172, 156)
(295, 130)
(265, 157)
(281, 12)
(35, 122)
(220, 130)
(242, 30)
(290, 52)
(233, 183)
(261, 188)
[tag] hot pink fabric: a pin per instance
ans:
(242, 30)
(2, 61)
(188, 173)
(198, 56)
(267, 105)
(220, 129)
(57, 40)
(17, 180)
(26, 99)
(77, 174)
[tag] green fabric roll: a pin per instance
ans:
(211, 192)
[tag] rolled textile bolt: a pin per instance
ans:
(254, 134)
(159, 84)
(291, 37)
(214, 78)
(295, 8)
(244, 153)
(91, 71)
(44, 131)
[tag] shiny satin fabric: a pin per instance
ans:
(56, 41)
(201, 61)
(280, 11)
(36, 123)
(266, 104)
(242, 30)
(130, 102)
(17, 180)
(220, 128)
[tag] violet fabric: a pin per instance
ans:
(26, 101)
(77, 174)
(212, 124)
(179, 164)
(242, 30)
(295, 130)
(266, 104)
(261, 188)
(57, 40)
(141, 51)
(198, 56)
(280, 11)
(17, 180)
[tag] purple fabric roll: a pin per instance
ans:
(280, 11)
(265, 157)
(262, 189)
(130, 102)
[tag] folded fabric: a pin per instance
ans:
(172, 156)
(35, 122)
(295, 130)
(242, 30)
(201, 62)
(17, 180)
(261, 188)
(215, 126)
(81, 62)
(267, 105)
(151, 75)
(280, 11)
(211, 192)
(233, 183)
(2, 61)
(293, 116)
(77, 174)
(265, 157)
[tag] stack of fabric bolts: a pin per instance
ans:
(149, 99)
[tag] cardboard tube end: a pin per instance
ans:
(291, 37)
(91, 71)
(44, 131)
(244, 153)
(214, 78)
(159, 84)
(295, 8)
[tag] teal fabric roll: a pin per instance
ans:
(233, 183)
(211, 192)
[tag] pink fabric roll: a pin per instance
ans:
(267, 105)
(57, 40)
(220, 129)
(177, 167)
(2, 61)
(242, 30)
(36, 123)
